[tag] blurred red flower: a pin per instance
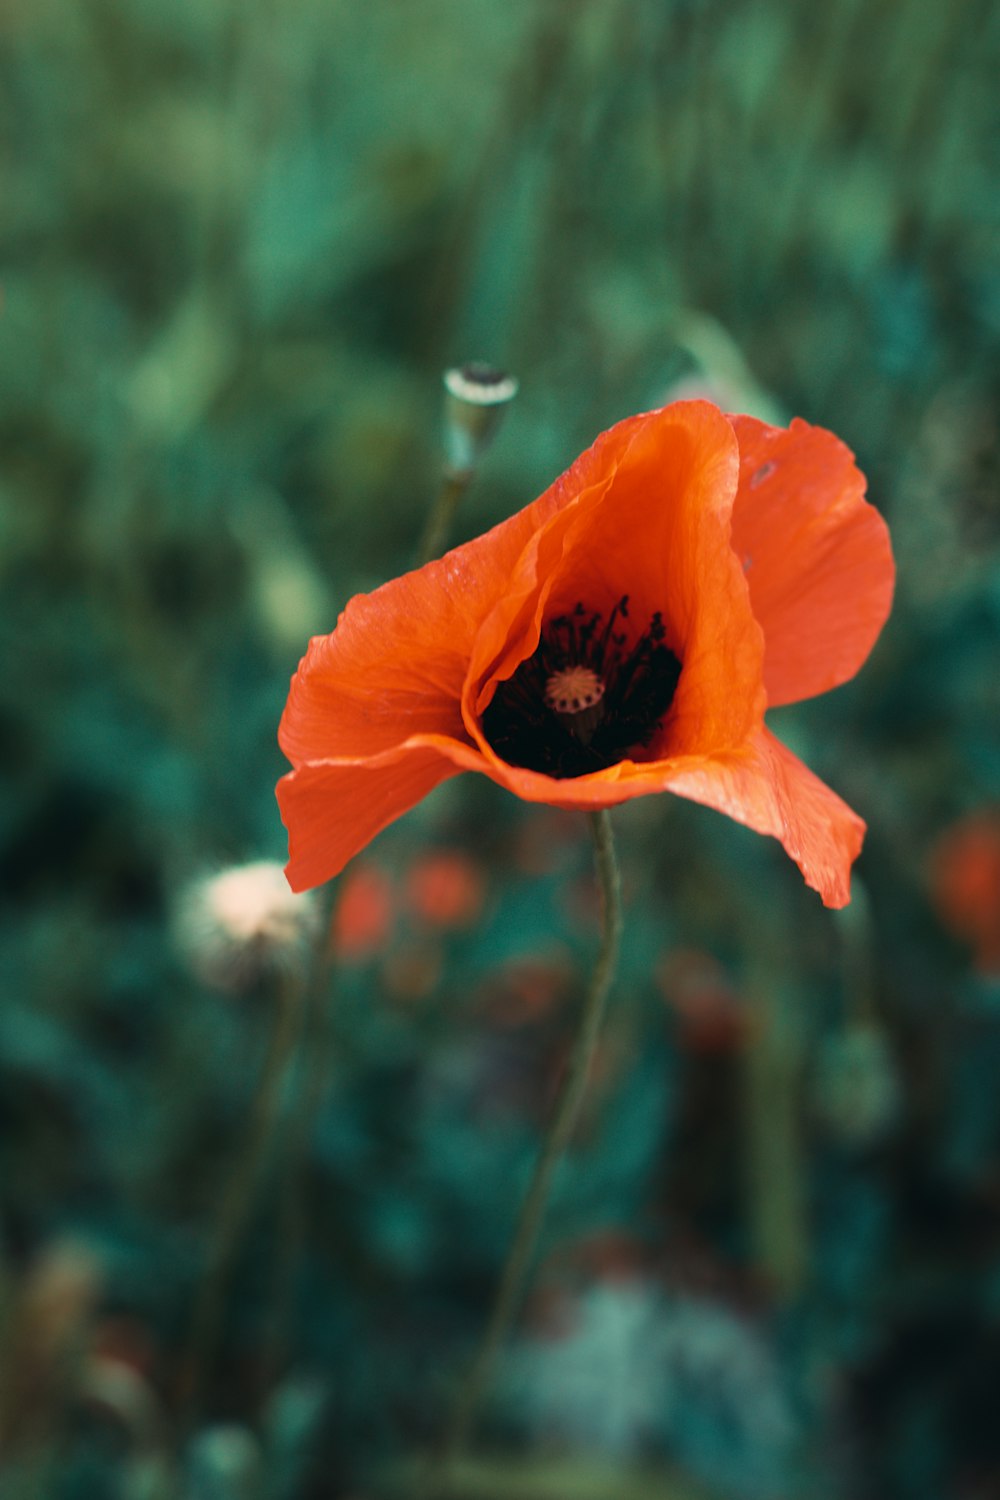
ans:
(363, 918)
(710, 1014)
(621, 635)
(965, 884)
(446, 888)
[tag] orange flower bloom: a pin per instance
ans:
(445, 888)
(965, 884)
(362, 922)
(621, 635)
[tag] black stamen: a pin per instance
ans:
(639, 686)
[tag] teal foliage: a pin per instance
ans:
(240, 244)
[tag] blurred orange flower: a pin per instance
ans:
(446, 888)
(622, 635)
(965, 884)
(363, 919)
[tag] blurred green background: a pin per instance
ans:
(240, 242)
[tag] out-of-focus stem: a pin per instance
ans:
(315, 1071)
(856, 930)
(773, 1128)
(238, 1199)
(567, 1108)
(437, 527)
(476, 397)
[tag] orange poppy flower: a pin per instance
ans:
(622, 635)
(965, 884)
(445, 888)
(363, 919)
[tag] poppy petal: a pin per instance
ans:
(333, 809)
(395, 664)
(817, 557)
(391, 703)
(762, 785)
(657, 528)
(768, 789)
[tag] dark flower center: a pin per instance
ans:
(587, 698)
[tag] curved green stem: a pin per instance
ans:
(567, 1108)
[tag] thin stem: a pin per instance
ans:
(855, 926)
(315, 1064)
(564, 1118)
(441, 516)
(238, 1200)
(771, 1124)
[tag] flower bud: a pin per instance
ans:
(245, 926)
(475, 399)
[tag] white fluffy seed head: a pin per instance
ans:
(245, 926)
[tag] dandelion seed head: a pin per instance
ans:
(245, 926)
